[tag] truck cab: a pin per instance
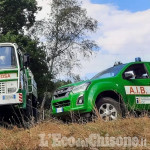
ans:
(18, 88)
(113, 93)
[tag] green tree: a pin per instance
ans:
(65, 35)
(16, 14)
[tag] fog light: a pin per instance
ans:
(80, 100)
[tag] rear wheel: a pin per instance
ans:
(108, 109)
(28, 114)
(35, 110)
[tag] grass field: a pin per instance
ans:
(25, 139)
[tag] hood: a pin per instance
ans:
(74, 84)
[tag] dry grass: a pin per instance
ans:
(19, 138)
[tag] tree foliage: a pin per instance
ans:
(65, 35)
(16, 14)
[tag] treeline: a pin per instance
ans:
(54, 44)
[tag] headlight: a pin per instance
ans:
(80, 88)
(11, 86)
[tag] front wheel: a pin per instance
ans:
(108, 109)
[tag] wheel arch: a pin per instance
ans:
(114, 95)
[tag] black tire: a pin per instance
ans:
(108, 109)
(31, 114)
(28, 114)
(35, 110)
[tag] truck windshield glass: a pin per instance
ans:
(110, 72)
(7, 57)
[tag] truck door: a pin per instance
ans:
(138, 88)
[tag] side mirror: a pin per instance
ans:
(129, 75)
(26, 60)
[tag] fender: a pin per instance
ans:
(98, 87)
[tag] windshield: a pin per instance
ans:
(110, 72)
(7, 57)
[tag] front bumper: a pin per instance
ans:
(71, 105)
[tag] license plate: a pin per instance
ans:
(59, 110)
(7, 97)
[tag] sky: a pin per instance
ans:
(131, 5)
(123, 32)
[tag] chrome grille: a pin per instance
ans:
(63, 92)
(2, 88)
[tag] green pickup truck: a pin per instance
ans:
(113, 92)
